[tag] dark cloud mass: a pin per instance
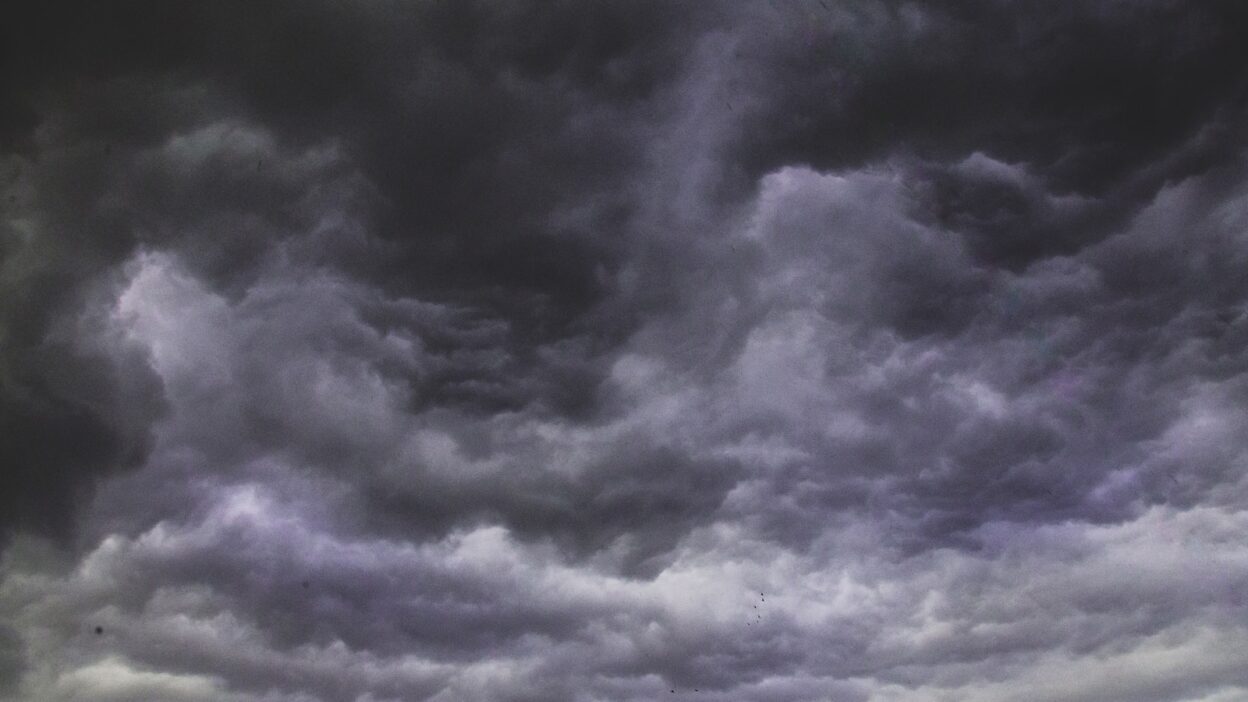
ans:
(780, 351)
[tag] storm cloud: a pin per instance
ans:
(789, 350)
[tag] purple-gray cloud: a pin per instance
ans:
(880, 351)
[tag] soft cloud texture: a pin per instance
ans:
(879, 351)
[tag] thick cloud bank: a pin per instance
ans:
(780, 351)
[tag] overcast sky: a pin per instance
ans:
(777, 351)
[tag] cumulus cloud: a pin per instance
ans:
(883, 351)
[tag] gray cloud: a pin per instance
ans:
(876, 351)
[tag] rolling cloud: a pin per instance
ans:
(781, 351)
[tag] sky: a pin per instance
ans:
(774, 351)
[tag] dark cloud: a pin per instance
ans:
(1105, 101)
(454, 143)
(372, 351)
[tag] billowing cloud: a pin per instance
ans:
(881, 351)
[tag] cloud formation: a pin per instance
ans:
(880, 351)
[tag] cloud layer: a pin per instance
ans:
(774, 351)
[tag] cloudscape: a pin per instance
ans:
(776, 351)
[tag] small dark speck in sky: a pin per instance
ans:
(99, 630)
